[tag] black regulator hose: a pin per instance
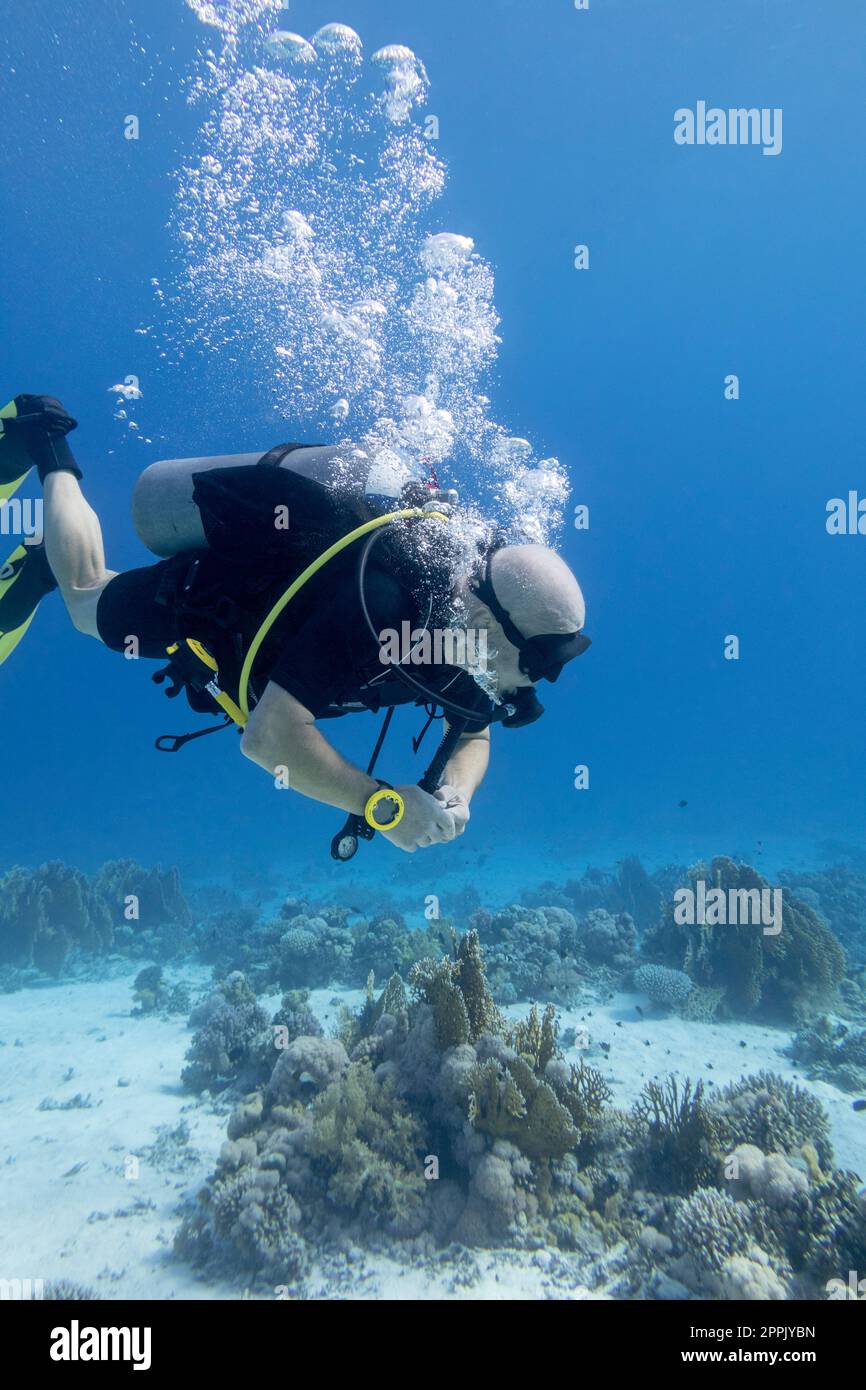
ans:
(435, 697)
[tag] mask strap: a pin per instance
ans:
(486, 592)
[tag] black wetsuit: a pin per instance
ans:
(321, 650)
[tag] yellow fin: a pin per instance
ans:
(10, 573)
(9, 640)
(8, 412)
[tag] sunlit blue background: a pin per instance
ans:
(707, 516)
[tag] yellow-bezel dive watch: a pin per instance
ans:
(385, 793)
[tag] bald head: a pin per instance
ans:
(537, 589)
(534, 592)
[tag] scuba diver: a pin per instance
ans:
(287, 583)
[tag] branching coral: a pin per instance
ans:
(535, 1038)
(773, 1114)
(456, 990)
(508, 1101)
(367, 1149)
(674, 1135)
(584, 1093)
(710, 1227)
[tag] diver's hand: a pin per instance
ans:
(425, 821)
(457, 803)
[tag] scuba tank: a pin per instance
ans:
(229, 502)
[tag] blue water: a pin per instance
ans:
(707, 515)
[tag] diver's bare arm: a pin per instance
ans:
(282, 733)
(468, 764)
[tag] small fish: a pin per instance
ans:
(858, 1105)
(682, 803)
(638, 1010)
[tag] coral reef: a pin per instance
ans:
(150, 913)
(773, 1114)
(838, 895)
(526, 955)
(832, 1052)
(609, 938)
(152, 994)
(384, 945)
(53, 912)
(294, 1018)
(788, 973)
(627, 889)
(433, 1121)
(545, 953)
(312, 946)
(441, 1123)
(305, 1067)
(312, 951)
(365, 1150)
(456, 990)
(234, 1041)
(758, 1217)
(48, 912)
(715, 1252)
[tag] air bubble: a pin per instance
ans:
(305, 251)
(395, 55)
(446, 249)
(338, 39)
(290, 48)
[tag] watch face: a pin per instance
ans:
(347, 847)
(385, 811)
